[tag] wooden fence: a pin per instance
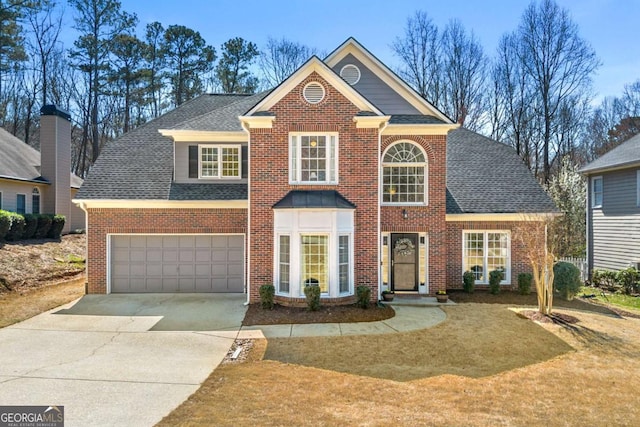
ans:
(581, 263)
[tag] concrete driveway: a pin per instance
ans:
(118, 359)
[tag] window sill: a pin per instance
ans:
(313, 183)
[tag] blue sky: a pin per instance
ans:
(609, 25)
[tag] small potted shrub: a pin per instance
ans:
(442, 297)
(468, 281)
(388, 295)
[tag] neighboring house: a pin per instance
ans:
(31, 185)
(613, 208)
(342, 176)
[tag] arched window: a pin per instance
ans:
(35, 201)
(404, 174)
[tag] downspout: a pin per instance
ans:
(83, 206)
(248, 249)
(379, 196)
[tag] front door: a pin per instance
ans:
(404, 261)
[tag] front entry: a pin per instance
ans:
(404, 261)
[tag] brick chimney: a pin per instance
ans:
(55, 161)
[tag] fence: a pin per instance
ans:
(581, 263)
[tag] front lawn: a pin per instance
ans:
(619, 300)
(484, 366)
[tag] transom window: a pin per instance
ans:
(404, 169)
(220, 161)
(313, 158)
(485, 251)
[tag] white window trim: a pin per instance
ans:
(333, 229)
(219, 147)
(594, 205)
(297, 180)
(36, 192)
(277, 263)
(426, 175)
(485, 242)
(0, 200)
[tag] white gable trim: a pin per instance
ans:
(351, 46)
(419, 129)
(314, 64)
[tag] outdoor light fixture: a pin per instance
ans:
(405, 214)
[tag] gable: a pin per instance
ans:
(375, 89)
(384, 73)
(314, 65)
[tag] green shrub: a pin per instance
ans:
(312, 294)
(524, 283)
(363, 296)
(5, 224)
(606, 280)
(495, 277)
(30, 225)
(57, 224)
(628, 280)
(566, 279)
(17, 227)
(266, 296)
(44, 224)
(468, 281)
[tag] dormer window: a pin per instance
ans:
(313, 158)
(219, 162)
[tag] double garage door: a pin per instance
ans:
(176, 263)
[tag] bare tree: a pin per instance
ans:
(420, 52)
(280, 58)
(558, 65)
(465, 71)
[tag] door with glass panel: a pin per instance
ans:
(404, 261)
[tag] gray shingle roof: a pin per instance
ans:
(22, 162)
(139, 165)
(485, 176)
(625, 154)
(208, 192)
(222, 119)
(414, 119)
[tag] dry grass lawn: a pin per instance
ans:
(18, 306)
(484, 366)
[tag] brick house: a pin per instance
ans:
(341, 176)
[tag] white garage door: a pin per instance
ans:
(177, 263)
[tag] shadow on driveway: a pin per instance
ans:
(168, 312)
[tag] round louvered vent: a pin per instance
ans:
(350, 73)
(313, 93)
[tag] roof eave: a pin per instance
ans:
(592, 171)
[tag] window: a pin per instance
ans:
(0, 200)
(35, 201)
(284, 265)
(313, 159)
(343, 263)
(21, 204)
(403, 174)
(485, 251)
(315, 269)
(596, 191)
(220, 161)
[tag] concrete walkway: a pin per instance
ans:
(407, 318)
(118, 360)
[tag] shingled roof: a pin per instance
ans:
(139, 164)
(21, 162)
(486, 176)
(624, 155)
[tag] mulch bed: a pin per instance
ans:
(326, 314)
